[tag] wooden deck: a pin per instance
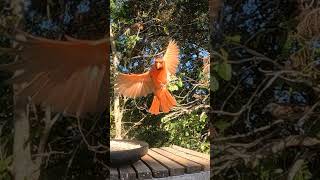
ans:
(166, 163)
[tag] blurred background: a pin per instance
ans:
(66, 155)
(265, 89)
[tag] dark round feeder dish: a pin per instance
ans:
(126, 157)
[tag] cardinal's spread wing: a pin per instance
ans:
(134, 85)
(171, 57)
(68, 75)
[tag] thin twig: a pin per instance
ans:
(264, 128)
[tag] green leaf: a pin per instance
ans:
(235, 38)
(4, 163)
(180, 84)
(222, 125)
(203, 117)
(225, 71)
(214, 84)
(173, 87)
(224, 55)
(215, 67)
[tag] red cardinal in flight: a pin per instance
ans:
(71, 76)
(154, 81)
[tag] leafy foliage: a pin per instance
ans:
(187, 130)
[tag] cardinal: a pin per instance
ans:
(70, 76)
(154, 81)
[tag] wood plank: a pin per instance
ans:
(203, 175)
(127, 173)
(174, 168)
(190, 166)
(157, 169)
(192, 152)
(204, 162)
(114, 174)
(142, 170)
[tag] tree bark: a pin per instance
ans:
(22, 162)
(117, 112)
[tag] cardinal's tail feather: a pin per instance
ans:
(155, 106)
(163, 101)
(170, 98)
(167, 101)
(164, 104)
